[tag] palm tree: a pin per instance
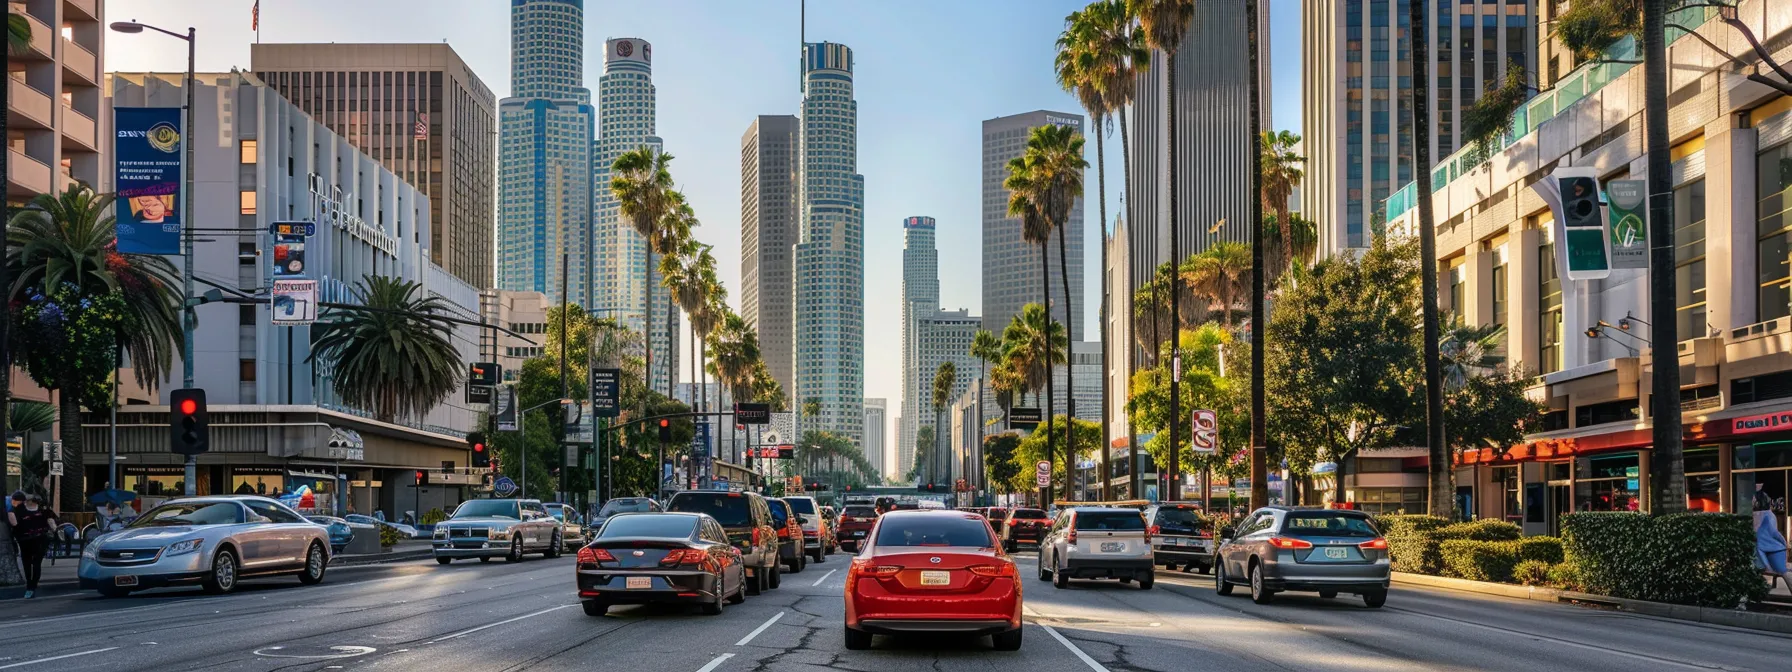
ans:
(1219, 274)
(736, 361)
(1259, 311)
(987, 348)
(66, 247)
(644, 191)
(767, 390)
(943, 379)
(1442, 497)
(689, 273)
(1165, 22)
(1281, 173)
(1030, 340)
(1469, 350)
(391, 354)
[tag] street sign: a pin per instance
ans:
(1628, 223)
(479, 395)
(1042, 473)
(294, 302)
(503, 487)
(506, 414)
(1204, 432)
(485, 374)
(1024, 418)
(606, 392)
(779, 452)
(298, 228)
(753, 414)
(289, 256)
(700, 438)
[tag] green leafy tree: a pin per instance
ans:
(1034, 448)
(1203, 387)
(1000, 469)
(1033, 343)
(1490, 410)
(923, 454)
(390, 354)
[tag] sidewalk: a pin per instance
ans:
(61, 577)
(1769, 620)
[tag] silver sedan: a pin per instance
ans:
(206, 541)
(497, 528)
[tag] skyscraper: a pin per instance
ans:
(941, 336)
(1357, 98)
(620, 259)
(875, 432)
(920, 296)
(545, 143)
(423, 113)
(1010, 264)
(829, 265)
(769, 218)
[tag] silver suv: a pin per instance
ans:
(1284, 548)
(1097, 543)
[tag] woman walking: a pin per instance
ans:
(32, 524)
(1770, 545)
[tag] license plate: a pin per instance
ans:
(1113, 546)
(936, 578)
(1337, 553)
(639, 582)
(858, 534)
(126, 580)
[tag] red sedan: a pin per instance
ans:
(855, 526)
(933, 571)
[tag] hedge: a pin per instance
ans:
(1411, 548)
(1547, 550)
(1479, 560)
(1531, 572)
(1704, 559)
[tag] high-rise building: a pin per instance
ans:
(920, 296)
(890, 469)
(1212, 127)
(829, 266)
(769, 218)
(940, 337)
(1357, 98)
(876, 431)
(544, 158)
(1010, 264)
(55, 106)
(423, 113)
(621, 264)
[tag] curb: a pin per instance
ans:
(1750, 620)
(49, 588)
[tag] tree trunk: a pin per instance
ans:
(1045, 284)
(1441, 499)
(1667, 472)
(1107, 400)
(1170, 492)
(647, 336)
(1069, 357)
(1259, 315)
(74, 487)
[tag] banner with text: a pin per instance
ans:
(146, 154)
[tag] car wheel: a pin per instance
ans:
(820, 556)
(1260, 593)
(1007, 641)
(1044, 574)
(755, 584)
(594, 608)
(740, 589)
(1327, 594)
(222, 578)
(516, 550)
(857, 640)
(553, 548)
(714, 607)
(1219, 579)
(777, 574)
(445, 560)
(1203, 569)
(481, 560)
(1145, 582)
(114, 591)
(1059, 580)
(315, 563)
(1374, 599)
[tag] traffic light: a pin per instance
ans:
(476, 443)
(1580, 202)
(816, 487)
(665, 430)
(190, 419)
(422, 477)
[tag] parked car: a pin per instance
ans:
(209, 541)
(855, 522)
(814, 527)
(1097, 543)
(497, 528)
(790, 535)
(1024, 526)
(1328, 551)
(340, 531)
(573, 532)
(949, 562)
(747, 519)
(1180, 534)
(642, 558)
(405, 531)
(622, 505)
(831, 540)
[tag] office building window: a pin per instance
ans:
(1689, 259)
(1773, 230)
(1497, 304)
(247, 201)
(1549, 308)
(249, 151)
(246, 370)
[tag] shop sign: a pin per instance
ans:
(332, 206)
(346, 444)
(1765, 422)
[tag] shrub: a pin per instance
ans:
(1531, 572)
(1705, 559)
(1411, 545)
(1547, 550)
(1485, 529)
(1567, 577)
(1479, 560)
(388, 536)
(433, 516)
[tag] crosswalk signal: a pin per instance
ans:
(189, 421)
(665, 430)
(422, 477)
(481, 458)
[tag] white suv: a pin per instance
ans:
(1097, 543)
(808, 514)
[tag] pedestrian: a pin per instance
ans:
(1770, 545)
(32, 524)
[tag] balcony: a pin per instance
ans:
(79, 64)
(78, 131)
(25, 176)
(42, 48)
(77, 10)
(27, 107)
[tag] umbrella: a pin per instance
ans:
(112, 496)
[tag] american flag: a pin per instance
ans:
(255, 16)
(420, 131)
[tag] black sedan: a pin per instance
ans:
(674, 558)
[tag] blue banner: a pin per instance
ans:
(147, 155)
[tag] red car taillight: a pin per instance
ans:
(1286, 543)
(1005, 569)
(755, 536)
(683, 556)
(1149, 533)
(784, 533)
(867, 568)
(594, 556)
(1376, 544)
(1070, 538)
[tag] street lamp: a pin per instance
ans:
(189, 318)
(522, 425)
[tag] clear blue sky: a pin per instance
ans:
(928, 73)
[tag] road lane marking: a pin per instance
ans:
(66, 655)
(1569, 642)
(824, 577)
(92, 614)
(715, 663)
(1079, 652)
(464, 633)
(762, 626)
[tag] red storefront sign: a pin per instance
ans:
(1766, 422)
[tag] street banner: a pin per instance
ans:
(289, 255)
(1204, 434)
(506, 412)
(606, 392)
(1042, 473)
(752, 414)
(1629, 219)
(53, 449)
(700, 439)
(146, 154)
(504, 487)
(294, 302)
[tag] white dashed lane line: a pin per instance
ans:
(824, 577)
(762, 626)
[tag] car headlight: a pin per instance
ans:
(441, 533)
(182, 547)
(500, 531)
(91, 550)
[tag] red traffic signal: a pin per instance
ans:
(189, 422)
(422, 477)
(665, 430)
(476, 443)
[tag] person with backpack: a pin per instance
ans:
(33, 525)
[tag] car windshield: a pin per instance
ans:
(934, 530)
(998, 515)
(1324, 524)
(1117, 521)
(1028, 513)
(191, 513)
(1171, 515)
(630, 505)
(559, 512)
(649, 525)
(801, 505)
(488, 508)
(729, 509)
(780, 515)
(860, 512)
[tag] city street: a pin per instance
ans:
(500, 616)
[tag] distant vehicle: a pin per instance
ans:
(573, 532)
(679, 558)
(948, 561)
(497, 528)
(340, 531)
(747, 519)
(210, 541)
(790, 535)
(1097, 543)
(814, 527)
(1329, 551)
(855, 522)
(622, 505)
(405, 531)
(1180, 534)
(1024, 526)
(831, 540)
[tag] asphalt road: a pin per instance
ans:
(500, 616)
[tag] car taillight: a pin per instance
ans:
(683, 556)
(594, 556)
(1286, 543)
(784, 533)
(755, 536)
(869, 568)
(1376, 544)
(1152, 531)
(1004, 569)
(1070, 538)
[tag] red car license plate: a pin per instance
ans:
(124, 580)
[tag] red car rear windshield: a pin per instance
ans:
(934, 531)
(860, 512)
